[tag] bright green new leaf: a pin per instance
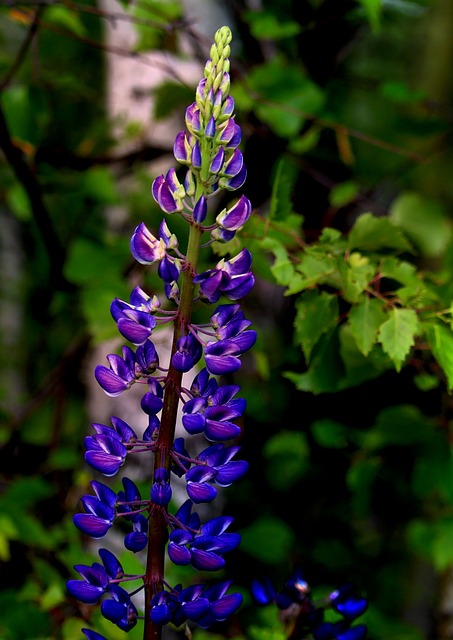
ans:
(371, 233)
(440, 340)
(397, 334)
(365, 319)
(310, 308)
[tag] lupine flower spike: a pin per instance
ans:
(208, 150)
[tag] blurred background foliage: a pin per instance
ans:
(346, 110)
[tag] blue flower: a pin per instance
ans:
(145, 247)
(168, 192)
(120, 375)
(119, 609)
(231, 278)
(188, 353)
(100, 512)
(161, 490)
(95, 578)
(213, 415)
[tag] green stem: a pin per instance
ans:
(158, 533)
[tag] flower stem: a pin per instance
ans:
(158, 532)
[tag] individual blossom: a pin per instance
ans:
(99, 511)
(232, 278)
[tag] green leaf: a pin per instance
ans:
(357, 367)
(310, 308)
(282, 268)
(255, 540)
(326, 367)
(282, 188)
(423, 221)
(365, 319)
(371, 233)
(397, 334)
(66, 18)
(440, 340)
(343, 193)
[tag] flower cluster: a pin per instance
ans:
(208, 152)
(306, 617)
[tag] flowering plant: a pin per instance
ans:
(208, 148)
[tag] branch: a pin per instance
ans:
(28, 180)
(23, 49)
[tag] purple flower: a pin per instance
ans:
(207, 549)
(161, 490)
(145, 247)
(105, 452)
(137, 539)
(120, 375)
(232, 278)
(236, 216)
(222, 604)
(188, 353)
(168, 192)
(213, 414)
(95, 578)
(200, 210)
(93, 585)
(100, 512)
(119, 609)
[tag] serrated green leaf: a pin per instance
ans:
(397, 334)
(318, 268)
(440, 340)
(365, 319)
(371, 233)
(308, 329)
(355, 278)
